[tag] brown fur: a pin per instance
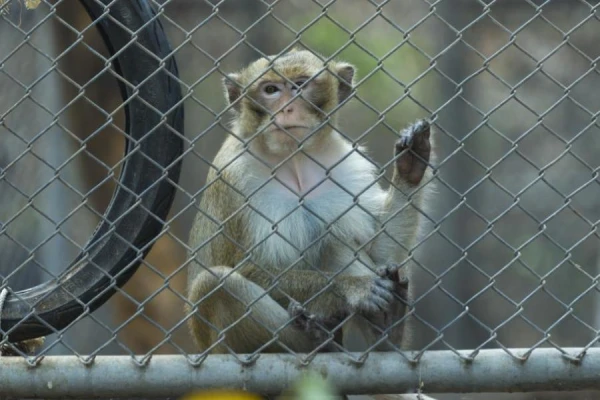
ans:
(241, 306)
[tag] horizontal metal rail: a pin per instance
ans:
(171, 375)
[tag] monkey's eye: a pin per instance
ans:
(297, 84)
(271, 89)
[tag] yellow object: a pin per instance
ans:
(312, 386)
(221, 395)
(32, 4)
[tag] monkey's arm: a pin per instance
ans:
(401, 221)
(216, 234)
(401, 217)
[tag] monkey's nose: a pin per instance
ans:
(289, 109)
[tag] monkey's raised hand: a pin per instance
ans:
(413, 150)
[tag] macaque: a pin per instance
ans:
(295, 236)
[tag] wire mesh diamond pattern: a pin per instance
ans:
(507, 255)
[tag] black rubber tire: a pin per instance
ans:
(141, 203)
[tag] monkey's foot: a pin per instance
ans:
(413, 151)
(315, 327)
(391, 271)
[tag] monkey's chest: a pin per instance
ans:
(288, 230)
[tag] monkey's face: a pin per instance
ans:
(291, 111)
(288, 100)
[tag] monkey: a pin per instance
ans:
(294, 234)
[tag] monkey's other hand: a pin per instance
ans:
(413, 151)
(371, 295)
(391, 271)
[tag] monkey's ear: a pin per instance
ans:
(345, 72)
(233, 90)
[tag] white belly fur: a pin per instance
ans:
(303, 222)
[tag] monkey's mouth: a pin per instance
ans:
(288, 127)
(299, 132)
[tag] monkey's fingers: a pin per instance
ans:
(403, 282)
(420, 129)
(389, 271)
(402, 288)
(413, 150)
(379, 298)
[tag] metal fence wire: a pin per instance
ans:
(102, 180)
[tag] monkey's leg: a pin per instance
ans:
(225, 298)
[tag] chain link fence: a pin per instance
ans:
(101, 179)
